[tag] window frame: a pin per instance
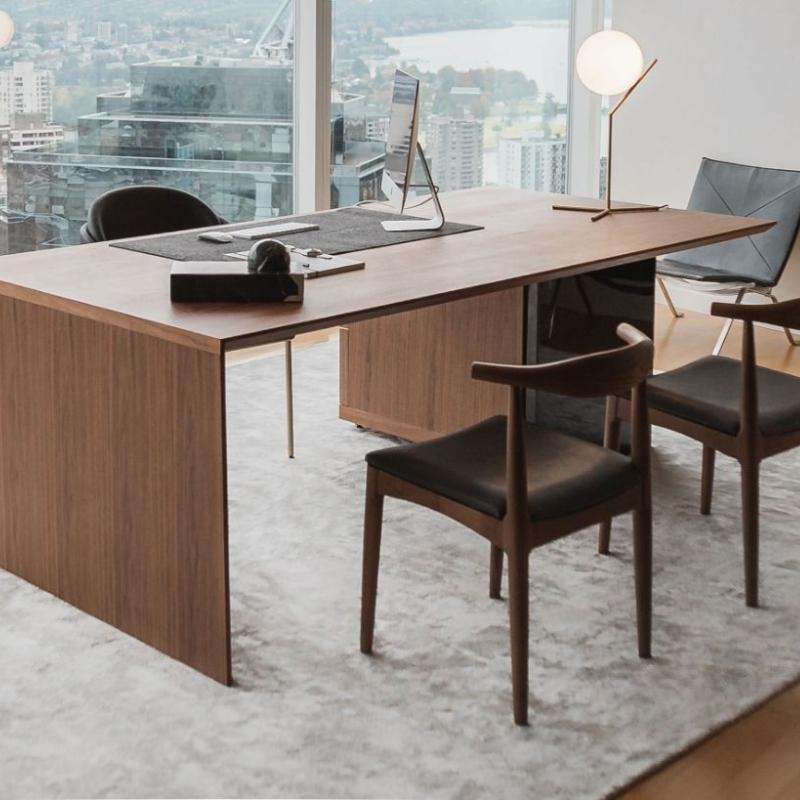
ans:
(313, 49)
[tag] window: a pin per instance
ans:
(98, 95)
(495, 85)
(200, 96)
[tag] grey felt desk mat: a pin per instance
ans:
(342, 231)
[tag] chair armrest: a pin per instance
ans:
(604, 373)
(785, 314)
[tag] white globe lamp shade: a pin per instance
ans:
(609, 62)
(6, 29)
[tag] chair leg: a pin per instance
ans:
(750, 511)
(495, 572)
(518, 619)
(643, 574)
(726, 329)
(373, 522)
(668, 297)
(793, 341)
(611, 434)
(707, 482)
(289, 399)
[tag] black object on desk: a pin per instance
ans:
(231, 282)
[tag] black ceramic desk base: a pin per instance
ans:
(574, 316)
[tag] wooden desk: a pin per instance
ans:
(112, 400)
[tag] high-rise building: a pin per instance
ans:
(105, 32)
(533, 162)
(377, 127)
(29, 131)
(72, 32)
(454, 147)
(603, 176)
(25, 90)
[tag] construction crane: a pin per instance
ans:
(275, 43)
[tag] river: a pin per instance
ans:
(540, 51)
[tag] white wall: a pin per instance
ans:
(727, 86)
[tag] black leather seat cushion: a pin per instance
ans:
(144, 211)
(707, 391)
(565, 475)
(722, 187)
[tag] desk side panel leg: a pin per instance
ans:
(113, 480)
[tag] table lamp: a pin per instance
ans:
(6, 29)
(610, 63)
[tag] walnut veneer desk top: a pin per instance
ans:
(524, 241)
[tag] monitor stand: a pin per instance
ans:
(434, 224)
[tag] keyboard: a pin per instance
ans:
(268, 231)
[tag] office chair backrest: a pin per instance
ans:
(726, 188)
(143, 210)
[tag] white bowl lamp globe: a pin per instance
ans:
(609, 62)
(6, 29)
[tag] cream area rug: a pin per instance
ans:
(86, 711)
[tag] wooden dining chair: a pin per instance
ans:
(521, 486)
(732, 406)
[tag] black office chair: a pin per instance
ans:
(145, 211)
(150, 210)
(747, 265)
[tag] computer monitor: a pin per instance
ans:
(402, 149)
(401, 139)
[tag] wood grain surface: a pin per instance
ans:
(112, 478)
(409, 374)
(524, 241)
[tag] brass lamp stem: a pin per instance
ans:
(611, 113)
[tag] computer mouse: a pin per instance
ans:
(313, 252)
(218, 237)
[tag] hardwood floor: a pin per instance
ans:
(753, 759)
(679, 341)
(756, 757)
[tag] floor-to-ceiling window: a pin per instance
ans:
(97, 94)
(495, 86)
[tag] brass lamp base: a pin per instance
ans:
(598, 212)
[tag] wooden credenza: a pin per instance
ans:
(408, 374)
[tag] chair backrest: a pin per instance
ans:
(785, 314)
(722, 187)
(145, 210)
(608, 372)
